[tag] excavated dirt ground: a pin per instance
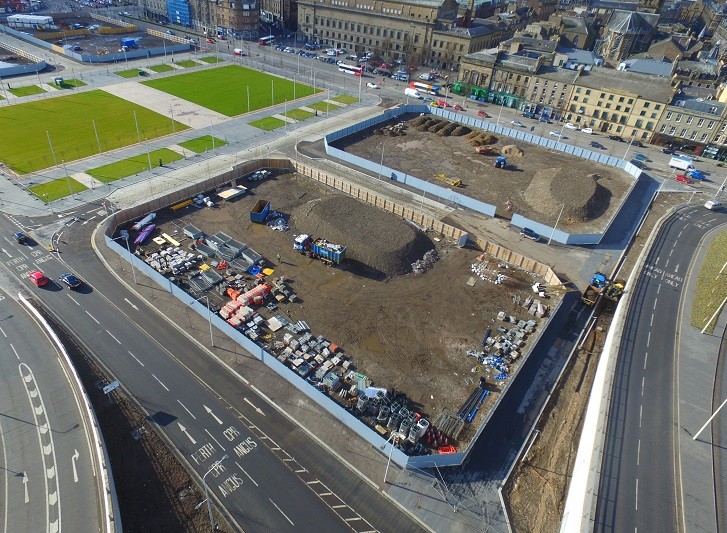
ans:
(408, 332)
(424, 154)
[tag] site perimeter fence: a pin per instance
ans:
(519, 260)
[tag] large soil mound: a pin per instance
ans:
(377, 240)
(552, 187)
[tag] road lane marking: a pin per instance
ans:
(248, 402)
(25, 487)
(638, 452)
(651, 323)
(184, 430)
(656, 300)
(74, 458)
(188, 411)
(3, 332)
(646, 356)
(112, 336)
(160, 382)
(637, 494)
(15, 351)
(137, 360)
(248, 475)
(132, 305)
(281, 512)
(214, 439)
(648, 339)
(658, 288)
(641, 412)
(5, 472)
(93, 317)
(209, 411)
(74, 300)
(642, 384)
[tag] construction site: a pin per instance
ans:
(514, 176)
(408, 332)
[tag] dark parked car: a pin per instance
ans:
(529, 234)
(616, 138)
(69, 279)
(528, 114)
(637, 143)
(667, 151)
(596, 144)
(21, 237)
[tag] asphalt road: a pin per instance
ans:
(50, 478)
(274, 477)
(639, 488)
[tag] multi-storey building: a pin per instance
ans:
(693, 117)
(428, 32)
(627, 33)
(225, 18)
(279, 13)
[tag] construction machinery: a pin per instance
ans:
(449, 181)
(486, 150)
(601, 285)
(326, 251)
(501, 162)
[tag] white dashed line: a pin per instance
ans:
(136, 358)
(15, 351)
(643, 378)
(648, 339)
(188, 411)
(281, 512)
(245, 472)
(651, 323)
(3, 332)
(214, 439)
(637, 494)
(646, 356)
(93, 317)
(641, 412)
(160, 382)
(112, 336)
(638, 452)
(74, 300)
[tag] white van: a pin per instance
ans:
(713, 205)
(412, 93)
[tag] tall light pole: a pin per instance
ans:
(629, 146)
(381, 166)
(136, 123)
(68, 177)
(125, 236)
(52, 152)
(391, 451)
(209, 316)
(214, 466)
(556, 224)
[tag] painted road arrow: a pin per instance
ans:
(209, 411)
(184, 430)
(74, 458)
(248, 402)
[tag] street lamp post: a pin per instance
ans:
(381, 166)
(391, 451)
(629, 146)
(214, 466)
(125, 236)
(209, 317)
(68, 177)
(556, 224)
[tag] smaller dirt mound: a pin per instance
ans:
(459, 131)
(511, 150)
(447, 130)
(552, 187)
(377, 240)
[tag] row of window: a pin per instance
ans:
(683, 133)
(366, 30)
(690, 118)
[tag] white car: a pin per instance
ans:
(589, 131)
(556, 134)
(517, 123)
(570, 126)
(372, 85)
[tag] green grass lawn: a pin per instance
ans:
(323, 107)
(211, 59)
(345, 99)
(27, 91)
(268, 123)
(71, 84)
(55, 189)
(711, 288)
(162, 68)
(69, 122)
(133, 165)
(131, 73)
(187, 63)
(202, 144)
(225, 89)
(298, 114)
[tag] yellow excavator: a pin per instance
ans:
(452, 183)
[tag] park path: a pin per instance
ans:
(189, 114)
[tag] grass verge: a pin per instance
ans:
(133, 165)
(323, 107)
(57, 188)
(298, 114)
(27, 91)
(711, 288)
(161, 68)
(202, 144)
(187, 63)
(345, 99)
(131, 73)
(268, 123)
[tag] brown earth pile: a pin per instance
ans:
(511, 150)
(552, 187)
(376, 240)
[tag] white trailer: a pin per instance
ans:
(681, 162)
(33, 22)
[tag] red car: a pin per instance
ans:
(210, 40)
(443, 103)
(38, 278)
(482, 114)
(684, 179)
(458, 107)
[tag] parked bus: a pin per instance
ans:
(425, 87)
(350, 69)
(265, 41)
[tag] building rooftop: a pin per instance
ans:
(652, 67)
(575, 24)
(558, 74)
(576, 57)
(477, 28)
(615, 81)
(630, 22)
(531, 44)
(609, 4)
(699, 105)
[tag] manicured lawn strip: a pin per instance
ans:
(187, 63)
(345, 99)
(211, 59)
(202, 144)
(69, 122)
(55, 189)
(225, 89)
(27, 91)
(161, 68)
(298, 114)
(324, 107)
(131, 73)
(133, 165)
(268, 123)
(710, 291)
(72, 83)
